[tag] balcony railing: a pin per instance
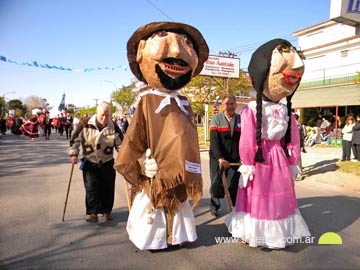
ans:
(334, 80)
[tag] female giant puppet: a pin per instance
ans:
(266, 212)
(164, 55)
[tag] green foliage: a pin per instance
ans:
(208, 90)
(125, 97)
(201, 90)
(71, 108)
(18, 106)
(14, 104)
(88, 111)
(240, 86)
(2, 106)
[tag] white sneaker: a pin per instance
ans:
(354, 160)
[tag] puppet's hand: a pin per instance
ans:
(295, 170)
(246, 173)
(150, 165)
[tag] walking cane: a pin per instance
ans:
(226, 188)
(227, 193)
(67, 193)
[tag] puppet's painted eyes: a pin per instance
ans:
(283, 48)
(187, 40)
(162, 33)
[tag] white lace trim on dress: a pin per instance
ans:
(272, 234)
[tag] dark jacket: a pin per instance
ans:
(356, 134)
(223, 145)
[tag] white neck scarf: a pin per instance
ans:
(167, 99)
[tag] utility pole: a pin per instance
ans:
(96, 101)
(228, 54)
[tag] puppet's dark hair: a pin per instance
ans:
(259, 67)
(288, 130)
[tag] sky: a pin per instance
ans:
(88, 37)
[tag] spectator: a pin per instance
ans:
(124, 124)
(356, 140)
(347, 132)
(96, 134)
(319, 120)
(314, 137)
(47, 125)
(302, 133)
(224, 149)
(68, 125)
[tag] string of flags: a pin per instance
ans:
(36, 64)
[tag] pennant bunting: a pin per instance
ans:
(36, 64)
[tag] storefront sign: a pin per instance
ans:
(345, 11)
(221, 67)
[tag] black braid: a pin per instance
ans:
(259, 155)
(288, 130)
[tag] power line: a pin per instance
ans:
(163, 13)
(253, 46)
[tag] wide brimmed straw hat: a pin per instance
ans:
(147, 30)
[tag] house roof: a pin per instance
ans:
(345, 95)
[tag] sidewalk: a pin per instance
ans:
(320, 166)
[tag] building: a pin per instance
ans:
(331, 82)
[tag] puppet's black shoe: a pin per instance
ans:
(93, 218)
(214, 206)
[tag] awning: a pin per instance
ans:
(347, 95)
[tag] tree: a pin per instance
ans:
(2, 106)
(208, 90)
(125, 96)
(240, 86)
(32, 102)
(203, 90)
(18, 106)
(71, 108)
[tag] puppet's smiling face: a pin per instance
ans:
(285, 73)
(167, 60)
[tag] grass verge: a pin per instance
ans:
(349, 167)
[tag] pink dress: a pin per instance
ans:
(266, 212)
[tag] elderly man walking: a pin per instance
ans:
(98, 136)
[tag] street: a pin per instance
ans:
(34, 177)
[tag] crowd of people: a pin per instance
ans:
(43, 125)
(40, 124)
(328, 130)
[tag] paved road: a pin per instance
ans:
(33, 183)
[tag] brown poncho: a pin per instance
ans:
(173, 139)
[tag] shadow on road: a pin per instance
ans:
(86, 237)
(24, 154)
(329, 214)
(320, 167)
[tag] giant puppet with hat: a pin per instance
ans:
(160, 156)
(266, 212)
